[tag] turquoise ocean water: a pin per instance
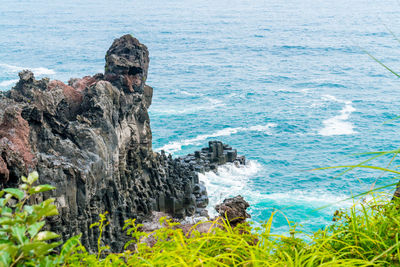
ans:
(286, 83)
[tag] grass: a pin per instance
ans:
(367, 234)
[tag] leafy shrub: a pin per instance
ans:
(21, 237)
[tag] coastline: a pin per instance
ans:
(91, 139)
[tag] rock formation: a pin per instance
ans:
(208, 158)
(234, 210)
(91, 139)
(397, 191)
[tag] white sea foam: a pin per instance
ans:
(37, 71)
(338, 125)
(8, 82)
(315, 198)
(177, 145)
(229, 181)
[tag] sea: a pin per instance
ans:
(289, 84)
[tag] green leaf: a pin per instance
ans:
(6, 211)
(31, 219)
(35, 228)
(10, 248)
(46, 208)
(39, 248)
(48, 202)
(70, 245)
(5, 258)
(48, 262)
(19, 233)
(32, 177)
(48, 211)
(8, 197)
(24, 179)
(19, 194)
(46, 235)
(7, 221)
(28, 209)
(24, 186)
(40, 188)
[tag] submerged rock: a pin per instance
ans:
(91, 139)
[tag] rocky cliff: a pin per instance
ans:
(91, 139)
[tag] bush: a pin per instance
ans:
(21, 238)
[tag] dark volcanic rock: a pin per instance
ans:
(209, 158)
(91, 139)
(233, 209)
(127, 63)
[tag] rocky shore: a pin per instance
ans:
(91, 139)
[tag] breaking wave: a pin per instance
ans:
(230, 180)
(177, 145)
(37, 71)
(338, 125)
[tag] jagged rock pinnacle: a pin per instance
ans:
(127, 63)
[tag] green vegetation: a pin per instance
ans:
(21, 238)
(365, 235)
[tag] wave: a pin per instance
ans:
(177, 145)
(338, 125)
(315, 198)
(230, 180)
(8, 82)
(37, 71)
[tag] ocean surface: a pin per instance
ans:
(286, 83)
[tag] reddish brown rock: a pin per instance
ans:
(81, 84)
(132, 81)
(71, 94)
(234, 210)
(16, 130)
(14, 143)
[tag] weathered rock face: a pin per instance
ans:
(14, 144)
(127, 63)
(91, 139)
(234, 209)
